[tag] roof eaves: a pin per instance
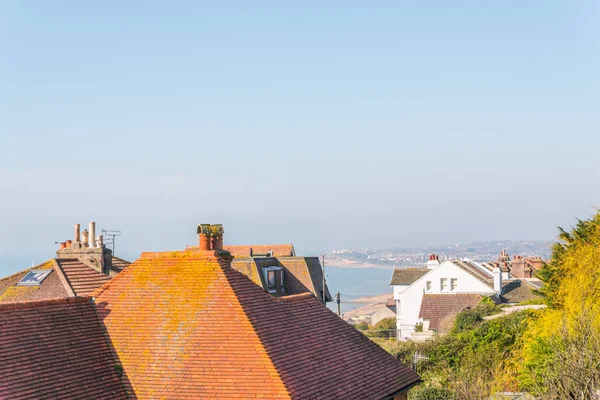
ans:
(45, 302)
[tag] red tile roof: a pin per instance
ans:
(69, 278)
(279, 250)
(82, 279)
(187, 325)
(55, 349)
(437, 307)
(51, 287)
(304, 274)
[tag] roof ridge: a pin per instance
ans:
(26, 270)
(160, 254)
(37, 303)
(295, 297)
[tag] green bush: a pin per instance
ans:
(430, 393)
(468, 319)
(362, 326)
(385, 328)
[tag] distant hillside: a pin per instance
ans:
(478, 251)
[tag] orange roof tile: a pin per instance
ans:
(279, 250)
(82, 279)
(187, 325)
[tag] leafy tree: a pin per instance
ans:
(553, 273)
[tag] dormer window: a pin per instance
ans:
(34, 277)
(271, 274)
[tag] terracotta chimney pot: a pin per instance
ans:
(204, 241)
(68, 243)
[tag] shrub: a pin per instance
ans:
(385, 328)
(430, 393)
(362, 326)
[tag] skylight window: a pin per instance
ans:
(34, 277)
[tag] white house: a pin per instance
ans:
(449, 278)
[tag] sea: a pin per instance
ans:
(353, 283)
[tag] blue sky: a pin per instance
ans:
(325, 124)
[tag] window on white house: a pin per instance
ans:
(444, 284)
(453, 284)
(428, 286)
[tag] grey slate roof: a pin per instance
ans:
(517, 291)
(407, 276)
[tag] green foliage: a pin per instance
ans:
(363, 326)
(384, 328)
(553, 273)
(430, 393)
(468, 319)
(419, 327)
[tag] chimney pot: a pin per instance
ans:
(92, 234)
(84, 237)
(77, 235)
(68, 243)
(63, 245)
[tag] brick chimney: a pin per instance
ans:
(82, 248)
(497, 273)
(434, 261)
(210, 236)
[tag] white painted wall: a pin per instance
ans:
(408, 299)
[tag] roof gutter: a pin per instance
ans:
(401, 391)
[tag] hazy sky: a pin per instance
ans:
(325, 124)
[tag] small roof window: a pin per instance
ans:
(34, 277)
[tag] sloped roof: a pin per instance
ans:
(204, 330)
(55, 349)
(279, 250)
(302, 274)
(51, 287)
(407, 276)
(82, 279)
(517, 291)
(69, 278)
(490, 266)
(437, 307)
(475, 271)
(118, 264)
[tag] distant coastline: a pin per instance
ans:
(345, 263)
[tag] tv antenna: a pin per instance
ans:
(112, 235)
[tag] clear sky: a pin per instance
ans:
(326, 124)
